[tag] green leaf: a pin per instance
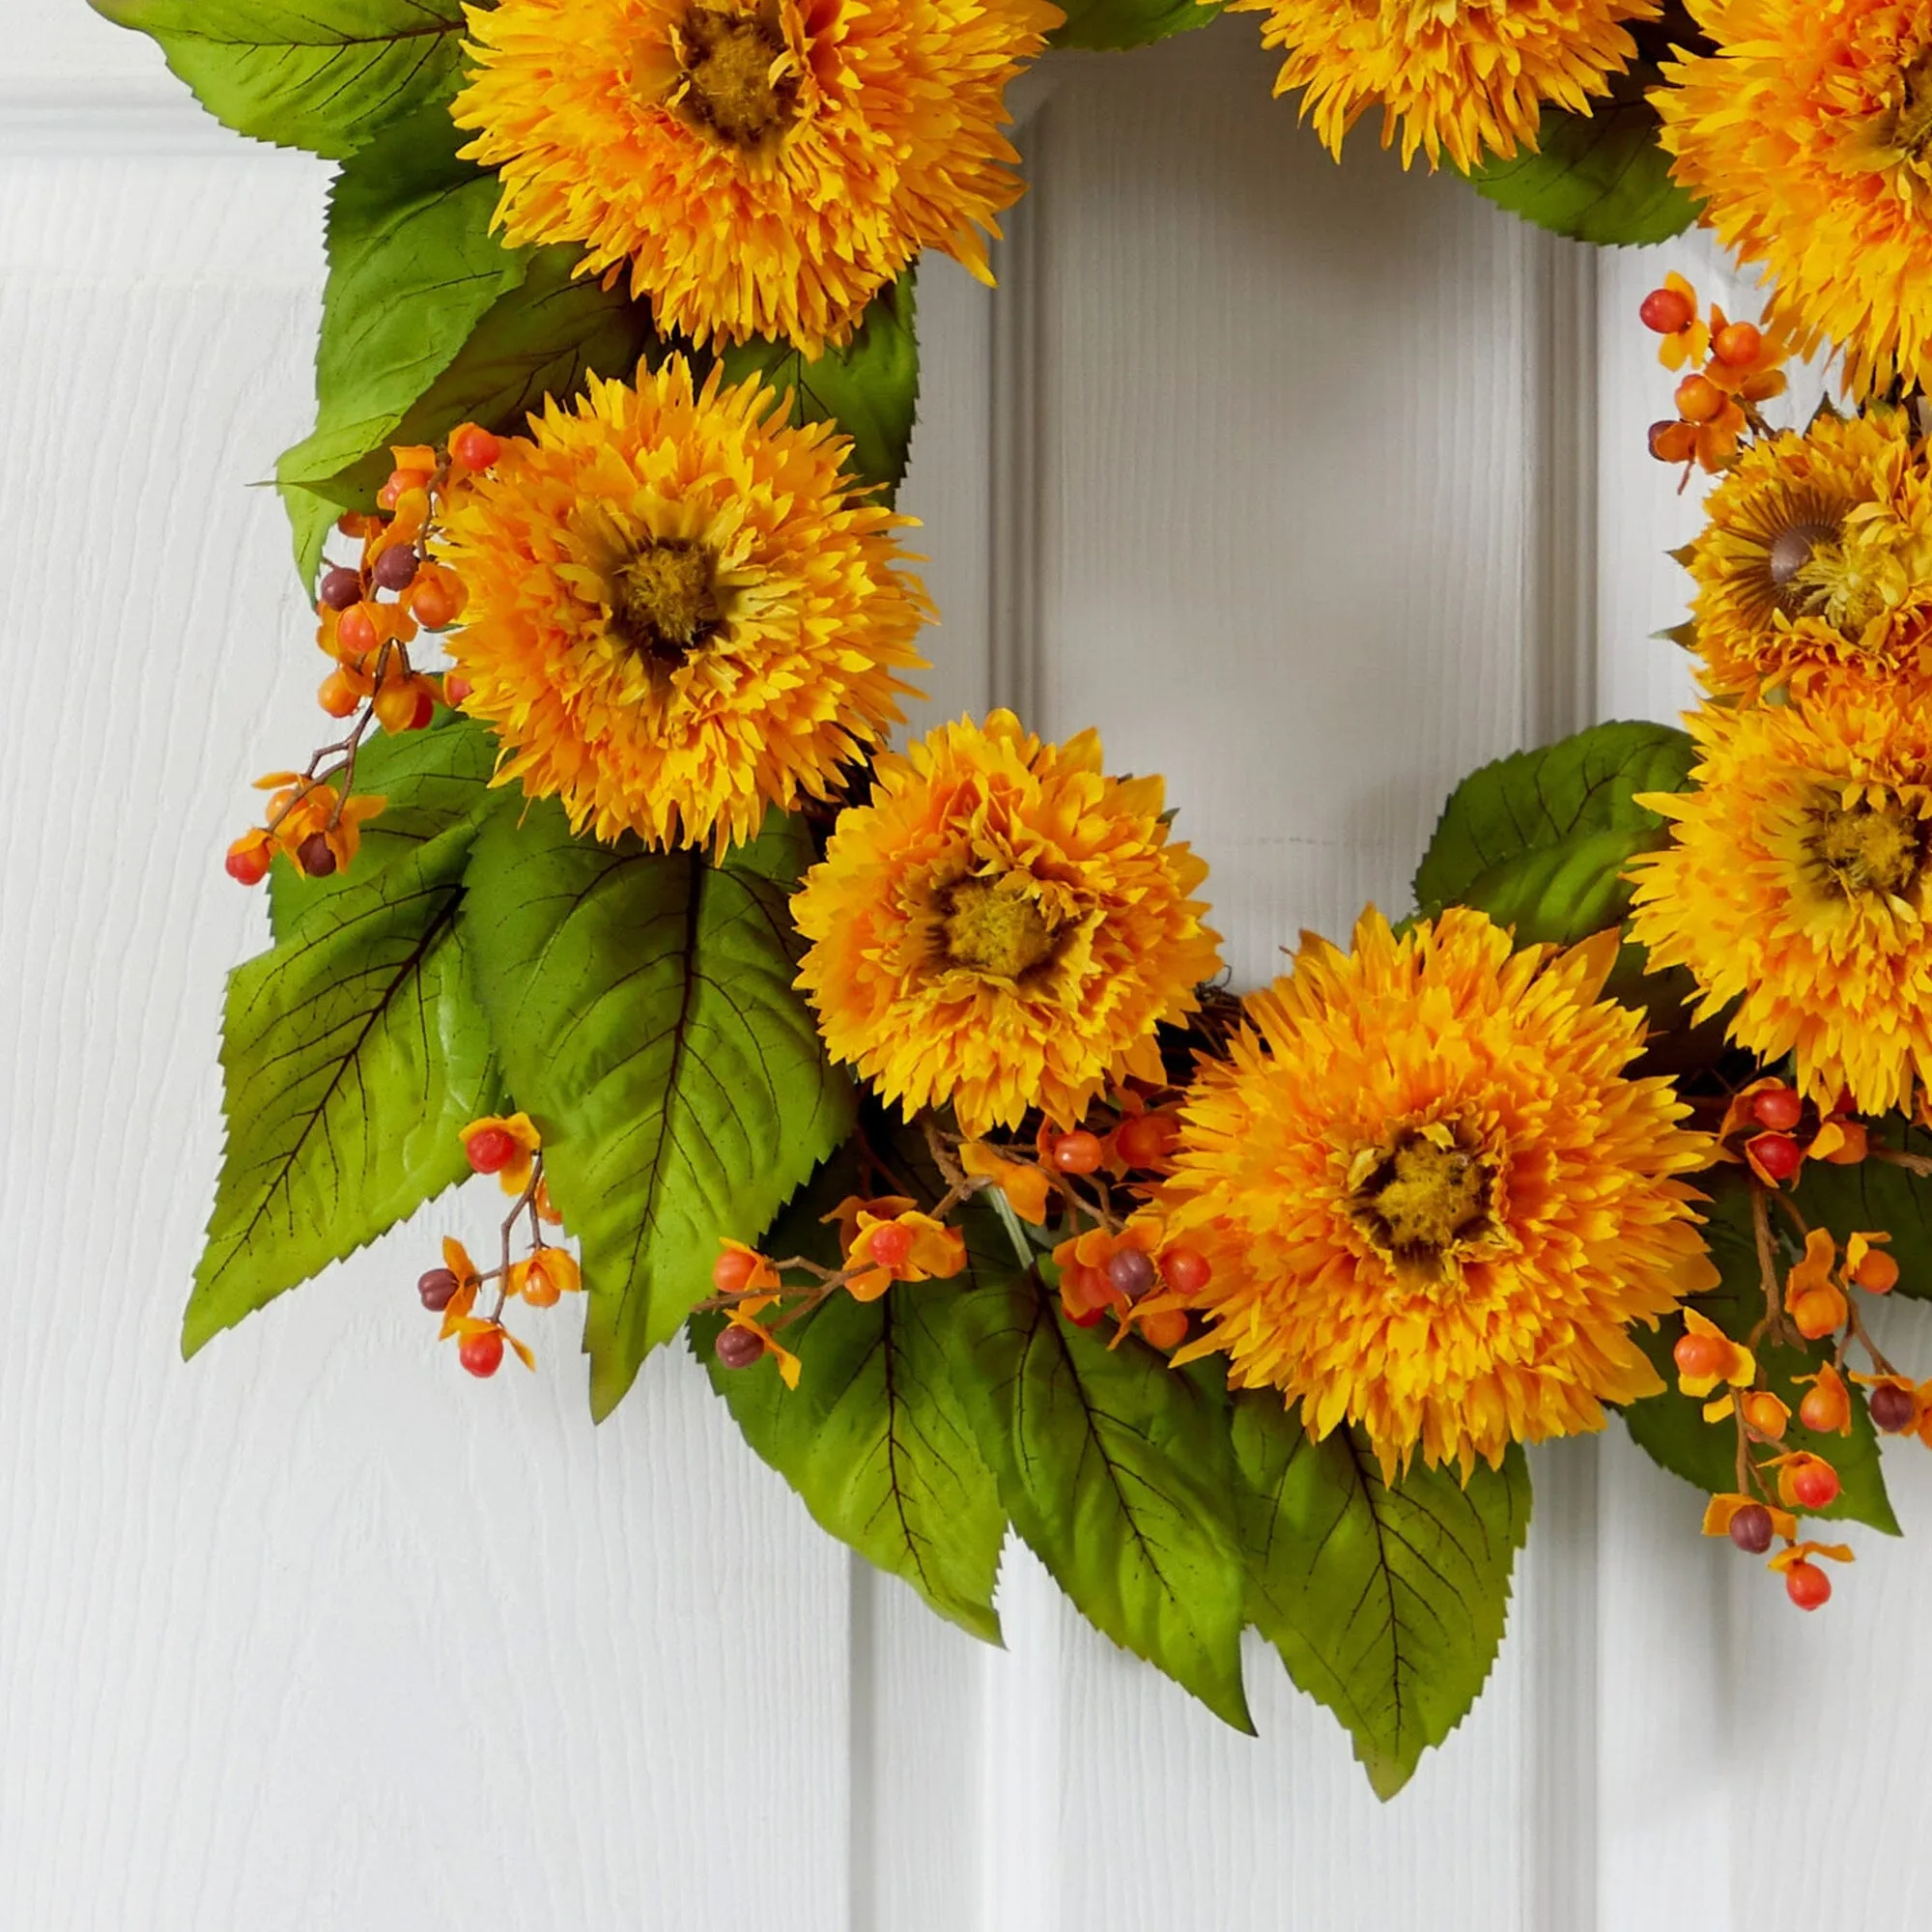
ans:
(1670, 1427)
(1127, 23)
(643, 1007)
(1116, 1469)
(434, 781)
(1385, 1600)
(353, 1053)
(875, 1437)
(1872, 1195)
(869, 389)
(327, 78)
(413, 267)
(1601, 177)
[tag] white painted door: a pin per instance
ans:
(1311, 489)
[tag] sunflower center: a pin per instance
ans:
(996, 933)
(1425, 1195)
(664, 599)
(1846, 585)
(737, 86)
(1871, 849)
(1913, 130)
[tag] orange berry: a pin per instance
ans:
(401, 482)
(247, 860)
(355, 630)
(337, 696)
(436, 598)
(1777, 1108)
(1824, 1410)
(1737, 345)
(1699, 400)
(539, 1288)
(396, 704)
(1667, 311)
(1673, 442)
(1087, 1287)
(1815, 1484)
(1078, 1153)
(474, 447)
(1777, 1154)
(1765, 1414)
(1187, 1269)
(732, 1270)
(491, 1149)
(1145, 1140)
(1817, 1313)
(1165, 1327)
(891, 1245)
(482, 1354)
(1806, 1585)
(1699, 1355)
(1877, 1273)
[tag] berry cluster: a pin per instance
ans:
(368, 615)
(1730, 368)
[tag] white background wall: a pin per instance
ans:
(1311, 489)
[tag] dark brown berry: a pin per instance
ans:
(1892, 1407)
(436, 1288)
(738, 1347)
(341, 587)
(396, 568)
(315, 856)
(1131, 1273)
(1750, 1530)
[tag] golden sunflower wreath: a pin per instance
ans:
(900, 1079)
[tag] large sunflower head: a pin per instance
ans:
(1808, 135)
(676, 614)
(757, 167)
(1002, 925)
(1797, 884)
(1454, 78)
(1432, 1198)
(1817, 554)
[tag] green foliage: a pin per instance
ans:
(1116, 1469)
(875, 1437)
(327, 78)
(869, 389)
(1128, 23)
(1601, 177)
(354, 1053)
(434, 781)
(642, 1005)
(1875, 1195)
(1671, 1426)
(1386, 1600)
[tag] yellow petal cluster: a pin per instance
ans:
(1454, 78)
(1816, 556)
(677, 615)
(1433, 1197)
(755, 169)
(1806, 135)
(1002, 926)
(1798, 886)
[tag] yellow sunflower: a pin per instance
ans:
(758, 169)
(1432, 1200)
(1797, 885)
(1808, 135)
(1001, 926)
(677, 616)
(1455, 77)
(1817, 554)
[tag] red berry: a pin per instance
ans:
(482, 1353)
(400, 483)
(1699, 400)
(1777, 1154)
(732, 1270)
(247, 864)
(425, 709)
(1816, 1485)
(1188, 1271)
(1750, 1530)
(890, 1245)
(455, 688)
(1824, 1410)
(1699, 1354)
(436, 1288)
(1892, 1407)
(475, 449)
(1087, 1287)
(340, 588)
(1082, 1318)
(337, 696)
(738, 1347)
(1777, 1108)
(1131, 1273)
(1144, 1140)
(1806, 1585)
(316, 856)
(1667, 311)
(1078, 1153)
(1737, 345)
(355, 630)
(492, 1150)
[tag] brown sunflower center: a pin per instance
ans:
(664, 599)
(1870, 848)
(737, 85)
(1425, 1195)
(1913, 130)
(990, 929)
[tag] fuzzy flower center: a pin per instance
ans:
(1870, 849)
(1421, 1195)
(664, 599)
(737, 83)
(995, 931)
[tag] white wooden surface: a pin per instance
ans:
(1311, 489)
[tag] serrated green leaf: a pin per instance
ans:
(432, 781)
(642, 1005)
(1386, 1600)
(353, 1053)
(1116, 1469)
(1872, 1195)
(413, 267)
(876, 1439)
(869, 389)
(1108, 25)
(326, 78)
(1601, 177)
(1670, 1427)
